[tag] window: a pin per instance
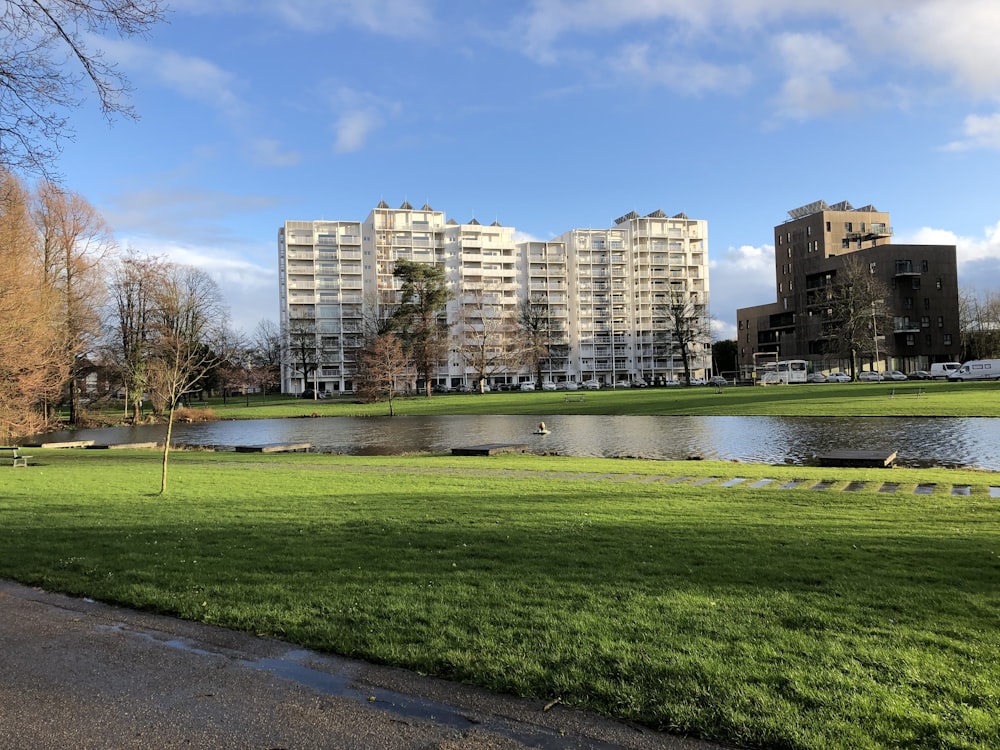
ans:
(848, 226)
(916, 282)
(925, 266)
(940, 321)
(947, 339)
(809, 231)
(925, 321)
(927, 303)
(908, 303)
(828, 226)
(927, 339)
(910, 340)
(845, 243)
(939, 283)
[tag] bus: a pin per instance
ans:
(785, 371)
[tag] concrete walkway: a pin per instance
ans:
(79, 674)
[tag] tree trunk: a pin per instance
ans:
(166, 450)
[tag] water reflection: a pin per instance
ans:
(919, 442)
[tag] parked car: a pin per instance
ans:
(870, 376)
(527, 385)
(920, 375)
(941, 370)
(670, 383)
(548, 385)
(310, 393)
(569, 385)
(838, 377)
(697, 381)
(895, 375)
(592, 385)
(977, 369)
(718, 381)
(816, 377)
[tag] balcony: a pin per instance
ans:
(905, 268)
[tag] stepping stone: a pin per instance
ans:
(791, 485)
(624, 477)
(924, 489)
(825, 485)
(733, 482)
(654, 478)
(596, 477)
(962, 490)
(706, 480)
(889, 487)
(855, 487)
(762, 483)
(676, 480)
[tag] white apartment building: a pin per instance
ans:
(606, 294)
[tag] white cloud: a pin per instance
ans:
(359, 114)
(809, 60)
(688, 77)
(979, 132)
(248, 289)
(192, 77)
(388, 17)
(270, 153)
(978, 257)
(352, 130)
(742, 277)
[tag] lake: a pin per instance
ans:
(973, 442)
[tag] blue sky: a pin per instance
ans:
(549, 115)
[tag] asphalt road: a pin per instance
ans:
(80, 674)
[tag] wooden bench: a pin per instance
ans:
(18, 458)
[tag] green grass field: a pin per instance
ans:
(910, 399)
(771, 618)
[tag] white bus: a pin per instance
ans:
(785, 371)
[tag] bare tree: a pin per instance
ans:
(30, 344)
(686, 328)
(420, 318)
(46, 62)
(382, 367)
(979, 321)
(133, 282)
(486, 335)
(541, 334)
(857, 311)
(75, 242)
(266, 344)
(189, 319)
(302, 350)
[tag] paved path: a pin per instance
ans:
(78, 674)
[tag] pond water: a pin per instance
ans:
(973, 442)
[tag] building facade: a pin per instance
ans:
(608, 295)
(913, 324)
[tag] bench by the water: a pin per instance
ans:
(859, 459)
(489, 449)
(14, 452)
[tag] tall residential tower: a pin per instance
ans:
(609, 295)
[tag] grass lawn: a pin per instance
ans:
(909, 399)
(777, 618)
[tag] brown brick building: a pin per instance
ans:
(811, 250)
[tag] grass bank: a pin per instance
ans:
(909, 399)
(778, 618)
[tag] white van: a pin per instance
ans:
(977, 369)
(941, 370)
